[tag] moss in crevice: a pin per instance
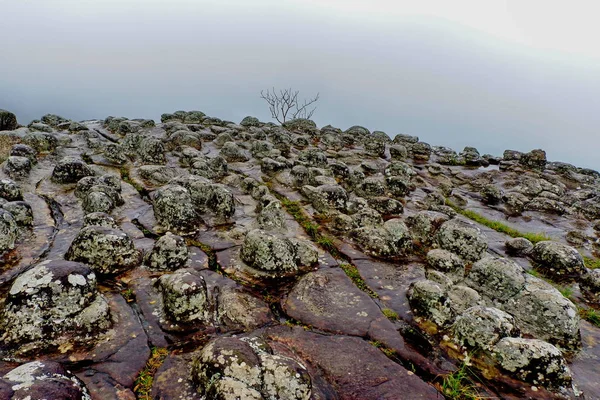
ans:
(144, 381)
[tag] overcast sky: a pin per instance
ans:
(518, 74)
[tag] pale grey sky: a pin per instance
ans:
(492, 74)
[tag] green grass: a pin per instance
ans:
(533, 272)
(497, 225)
(143, 383)
(390, 314)
(591, 262)
(360, 283)
(128, 295)
(458, 385)
(566, 291)
(590, 315)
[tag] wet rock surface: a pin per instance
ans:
(289, 262)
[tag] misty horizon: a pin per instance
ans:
(450, 82)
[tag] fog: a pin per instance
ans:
(505, 74)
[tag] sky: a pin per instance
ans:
(492, 74)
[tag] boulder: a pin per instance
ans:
(446, 261)
(9, 190)
(558, 261)
(430, 300)
(174, 209)
(482, 327)
(17, 167)
(185, 297)
(518, 246)
(8, 121)
(8, 231)
(152, 151)
(168, 254)
(22, 150)
(21, 212)
(42, 380)
(533, 361)
(497, 278)
(100, 219)
(590, 285)
(54, 303)
(233, 153)
(108, 251)
(70, 170)
(535, 159)
(462, 239)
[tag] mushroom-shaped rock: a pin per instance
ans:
(70, 170)
(430, 300)
(40, 141)
(326, 197)
(152, 151)
(8, 121)
(462, 239)
(271, 216)
(229, 368)
(9, 190)
(54, 303)
(42, 380)
(543, 312)
(22, 150)
(21, 212)
(17, 167)
(535, 159)
(482, 327)
(240, 310)
(108, 251)
(174, 210)
(207, 196)
(100, 219)
(518, 246)
(557, 260)
(276, 256)
(445, 261)
(185, 297)
(498, 278)
(533, 361)
(168, 254)
(590, 285)
(233, 153)
(8, 231)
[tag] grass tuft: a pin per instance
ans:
(143, 383)
(497, 225)
(360, 283)
(459, 386)
(590, 315)
(591, 262)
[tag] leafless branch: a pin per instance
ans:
(284, 104)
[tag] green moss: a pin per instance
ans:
(144, 381)
(354, 275)
(390, 314)
(497, 225)
(128, 295)
(591, 262)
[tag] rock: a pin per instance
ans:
(590, 285)
(393, 239)
(8, 231)
(430, 300)
(22, 150)
(313, 158)
(511, 155)
(240, 310)
(386, 206)
(108, 251)
(326, 197)
(482, 327)
(533, 361)
(462, 298)
(272, 216)
(471, 156)
(8, 121)
(21, 212)
(375, 148)
(367, 217)
(462, 239)
(42, 380)
(398, 152)
(424, 224)
(17, 167)
(421, 151)
(229, 368)
(185, 296)
(445, 261)
(52, 304)
(100, 219)
(53, 119)
(152, 151)
(233, 153)
(41, 142)
(250, 121)
(403, 138)
(535, 159)
(168, 254)
(207, 196)
(275, 256)
(491, 194)
(70, 170)
(518, 246)
(557, 260)
(543, 312)
(9, 190)
(174, 210)
(498, 278)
